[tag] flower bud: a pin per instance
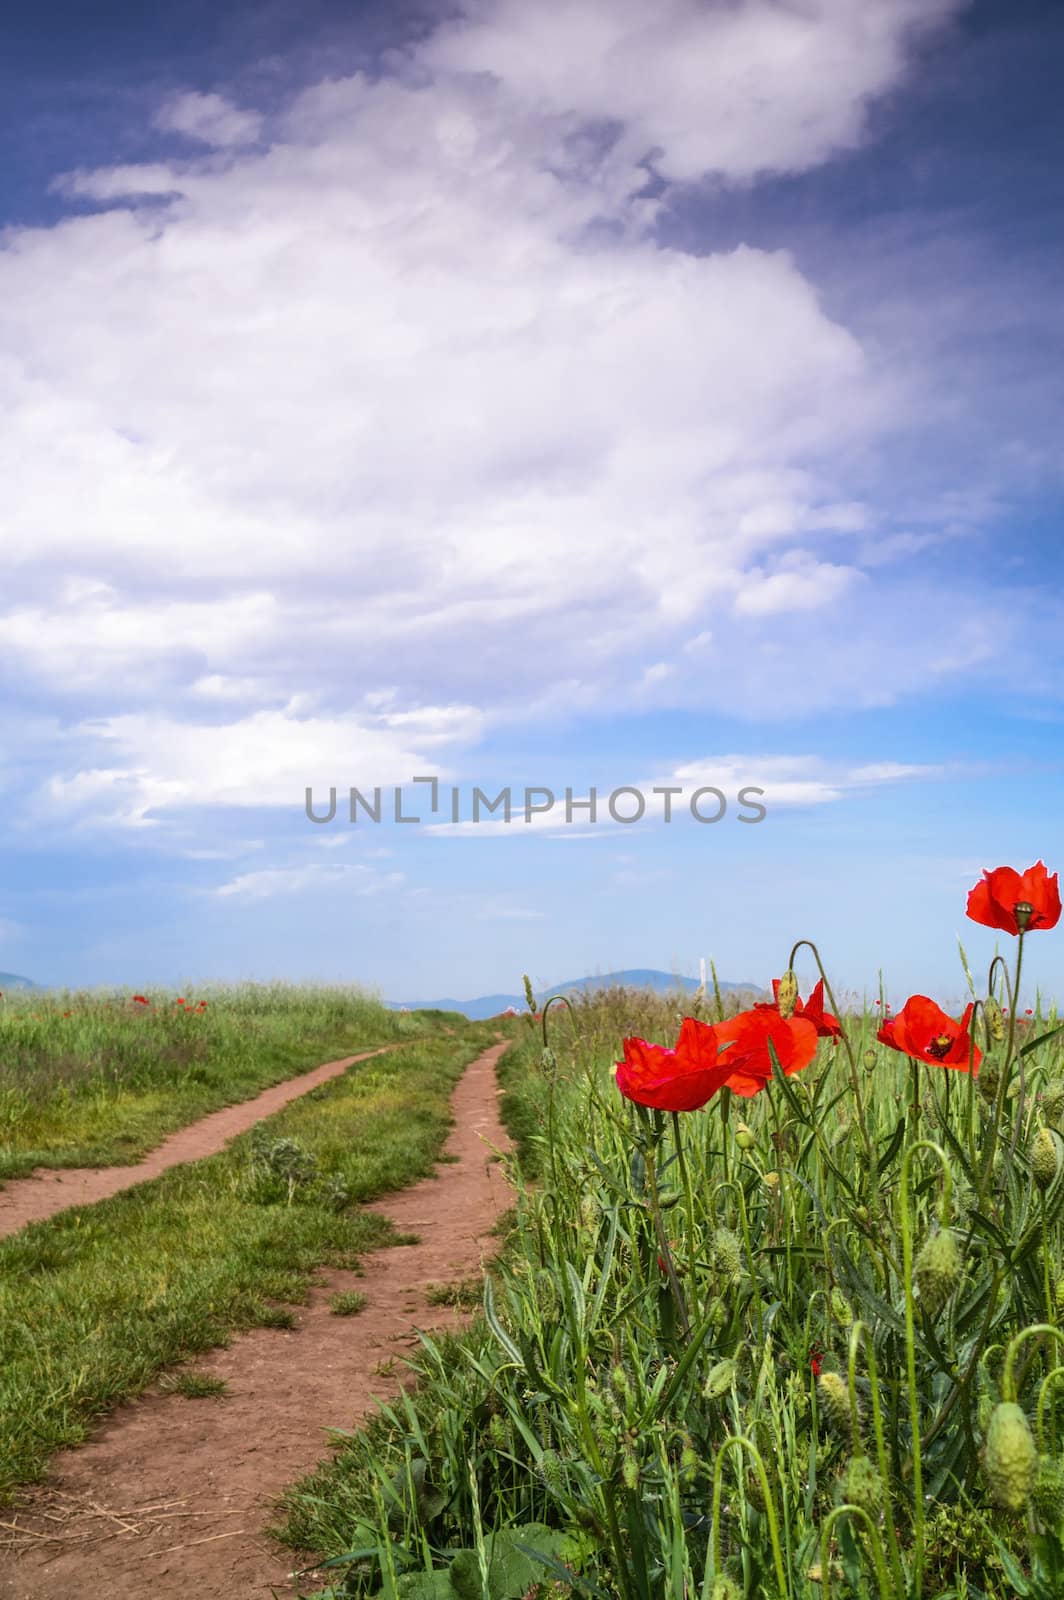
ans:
(745, 1138)
(771, 1181)
(840, 1309)
(1044, 1161)
(720, 1379)
(834, 1400)
(787, 994)
(1047, 1496)
(725, 1588)
(726, 1255)
(862, 1486)
(988, 1081)
(937, 1270)
(690, 1460)
(995, 1020)
(630, 1470)
(1053, 1101)
(551, 1471)
(1011, 1457)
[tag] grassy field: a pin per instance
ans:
(94, 1302)
(804, 1343)
(95, 1080)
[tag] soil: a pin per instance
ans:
(46, 1191)
(172, 1497)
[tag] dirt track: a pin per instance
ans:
(209, 1468)
(46, 1191)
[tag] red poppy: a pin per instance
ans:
(683, 1079)
(826, 1025)
(1016, 902)
(744, 1041)
(180, 1001)
(140, 1000)
(922, 1029)
(816, 1359)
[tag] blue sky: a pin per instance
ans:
(573, 396)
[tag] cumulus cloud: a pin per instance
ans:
(209, 119)
(402, 391)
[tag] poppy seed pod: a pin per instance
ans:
(1011, 1459)
(745, 1137)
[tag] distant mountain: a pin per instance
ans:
(490, 1005)
(11, 980)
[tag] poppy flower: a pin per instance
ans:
(1016, 902)
(140, 1000)
(179, 1001)
(826, 1024)
(683, 1079)
(816, 1359)
(744, 1041)
(923, 1030)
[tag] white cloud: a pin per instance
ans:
(315, 877)
(209, 119)
(403, 397)
(736, 90)
(269, 758)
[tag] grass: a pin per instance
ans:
(347, 1304)
(95, 1302)
(464, 1292)
(194, 1385)
(840, 1418)
(94, 1080)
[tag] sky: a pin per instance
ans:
(587, 396)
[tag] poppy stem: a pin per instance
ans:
(855, 1083)
(663, 1243)
(689, 1205)
(1003, 1086)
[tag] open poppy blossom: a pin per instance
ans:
(140, 1000)
(1016, 902)
(744, 1041)
(670, 1080)
(923, 1030)
(826, 1024)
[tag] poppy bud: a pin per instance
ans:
(754, 1491)
(619, 1384)
(984, 1411)
(630, 1470)
(1053, 1101)
(745, 1138)
(862, 1486)
(771, 1180)
(840, 1309)
(995, 1020)
(497, 1432)
(551, 1471)
(1047, 1496)
(834, 1399)
(988, 1081)
(787, 994)
(1044, 1160)
(1011, 1457)
(725, 1588)
(937, 1270)
(726, 1256)
(720, 1379)
(690, 1460)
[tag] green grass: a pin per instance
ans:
(95, 1302)
(583, 1404)
(348, 1304)
(194, 1385)
(90, 1080)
